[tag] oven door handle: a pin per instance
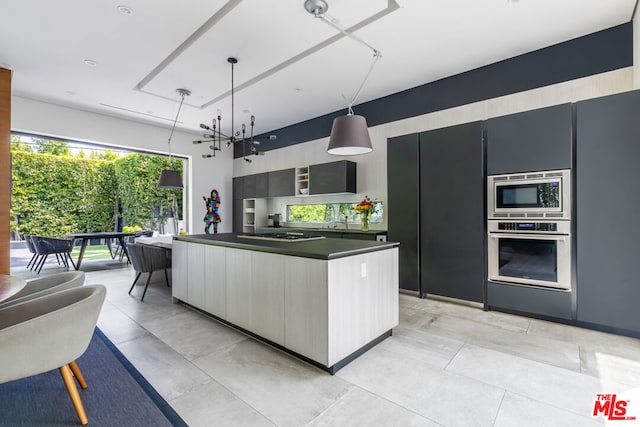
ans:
(558, 237)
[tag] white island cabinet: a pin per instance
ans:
(326, 311)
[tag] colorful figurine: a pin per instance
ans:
(212, 217)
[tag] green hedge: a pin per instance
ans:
(53, 195)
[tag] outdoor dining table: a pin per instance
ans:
(85, 237)
(10, 285)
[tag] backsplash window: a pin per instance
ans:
(331, 213)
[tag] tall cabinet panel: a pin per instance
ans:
(607, 210)
(238, 191)
(534, 140)
(452, 212)
(403, 207)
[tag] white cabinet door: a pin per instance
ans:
(239, 303)
(305, 306)
(267, 296)
(195, 264)
(363, 300)
(215, 280)
(179, 271)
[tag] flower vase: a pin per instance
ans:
(364, 219)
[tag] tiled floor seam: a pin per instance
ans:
(495, 418)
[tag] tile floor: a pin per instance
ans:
(445, 365)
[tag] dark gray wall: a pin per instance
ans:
(533, 140)
(607, 210)
(592, 54)
(452, 212)
(403, 206)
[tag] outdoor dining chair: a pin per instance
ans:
(46, 246)
(32, 250)
(147, 259)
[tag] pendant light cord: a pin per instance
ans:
(183, 94)
(376, 53)
(376, 56)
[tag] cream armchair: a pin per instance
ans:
(50, 332)
(46, 285)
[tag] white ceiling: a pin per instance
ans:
(289, 69)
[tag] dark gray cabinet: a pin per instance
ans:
(452, 212)
(282, 183)
(249, 187)
(607, 210)
(333, 177)
(530, 141)
(262, 185)
(403, 207)
(238, 188)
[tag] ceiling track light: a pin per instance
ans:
(216, 137)
(350, 133)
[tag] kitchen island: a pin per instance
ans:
(323, 300)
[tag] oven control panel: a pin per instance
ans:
(527, 226)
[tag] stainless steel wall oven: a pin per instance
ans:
(530, 253)
(529, 229)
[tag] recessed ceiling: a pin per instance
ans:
(127, 58)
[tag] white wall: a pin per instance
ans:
(201, 177)
(372, 168)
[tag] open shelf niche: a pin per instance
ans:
(302, 181)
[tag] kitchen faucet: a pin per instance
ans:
(333, 216)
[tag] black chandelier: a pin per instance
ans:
(216, 137)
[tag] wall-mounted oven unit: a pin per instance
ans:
(530, 253)
(529, 229)
(544, 195)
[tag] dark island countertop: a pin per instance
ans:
(325, 249)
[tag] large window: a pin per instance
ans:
(330, 213)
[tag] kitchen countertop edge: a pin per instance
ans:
(324, 249)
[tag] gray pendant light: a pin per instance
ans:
(349, 134)
(170, 178)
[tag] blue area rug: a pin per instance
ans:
(117, 395)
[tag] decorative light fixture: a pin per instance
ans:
(170, 178)
(237, 137)
(350, 133)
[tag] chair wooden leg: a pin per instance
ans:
(76, 373)
(134, 282)
(67, 377)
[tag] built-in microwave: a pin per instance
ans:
(545, 194)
